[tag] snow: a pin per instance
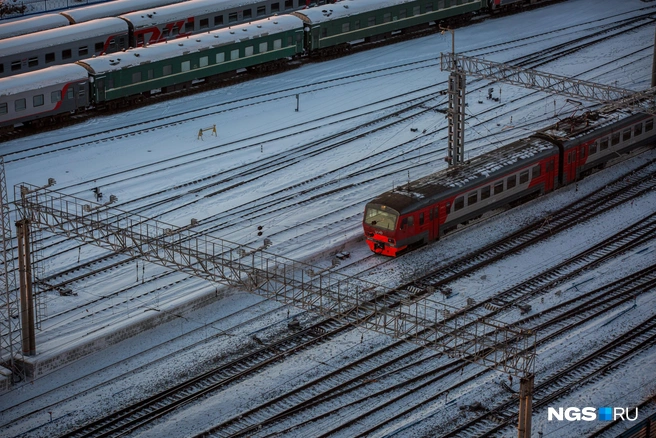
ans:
(113, 9)
(59, 74)
(258, 127)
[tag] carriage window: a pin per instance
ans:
(248, 51)
(472, 198)
(16, 65)
(637, 129)
(277, 44)
(67, 54)
(460, 203)
(98, 47)
(626, 134)
(19, 104)
(387, 17)
(136, 77)
(37, 100)
(511, 181)
(356, 25)
(50, 57)
(220, 57)
(175, 31)
(649, 125)
(345, 27)
(523, 177)
(485, 192)
(289, 4)
(275, 7)
(3, 108)
(234, 54)
(33, 62)
(218, 20)
(232, 17)
(81, 92)
(205, 23)
(402, 13)
(536, 171)
(421, 218)
(615, 138)
(55, 96)
(290, 40)
(381, 218)
(429, 8)
(324, 32)
(83, 51)
(440, 4)
(166, 70)
(70, 94)
(593, 148)
(415, 10)
(371, 21)
(185, 66)
(498, 187)
(248, 14)
(603, 145)
(189, 26)
(549, 167)
(264, 47)
(261, 10)
(204, 61)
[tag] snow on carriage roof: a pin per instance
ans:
(58, 74)
(195, 43)
(182, 11)
(345, 8)
(62, 35)
(113, 9)
(24, 26)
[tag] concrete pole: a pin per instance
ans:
(653, 65)
(26, 297)
(525, 406)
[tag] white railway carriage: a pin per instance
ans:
(55, 92)
(64, 45)
(151, 26)
(23, 26)
(113, 9)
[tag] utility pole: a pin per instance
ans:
(456, 111)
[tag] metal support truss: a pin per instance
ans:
(462, 334)
(456, 113)
(614, 97)
(10, 333)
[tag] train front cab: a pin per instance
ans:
(379, 225)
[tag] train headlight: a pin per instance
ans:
(390, 240)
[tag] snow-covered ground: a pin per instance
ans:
(257, 124)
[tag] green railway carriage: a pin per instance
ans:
(126, 76)
(347, 21)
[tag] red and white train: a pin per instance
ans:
(424, 210)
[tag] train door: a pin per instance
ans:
(570, 165)
(435, 221)
(99, 86)
(316, 31)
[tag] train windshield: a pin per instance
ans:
(379, 218)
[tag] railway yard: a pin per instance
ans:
(127, 347)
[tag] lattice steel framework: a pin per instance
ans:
(425, 322)
(614, 97)
(10, 337)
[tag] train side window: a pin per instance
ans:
(264, 47)
(205, 23)
(166, 70)
(603, 145)
(324, 32)
(247, 13)
(67, 54)
(428, 8)
(549, 167)
(112, 45)
(346, 27)
(523, 177)
(232, 17)
(511, 181)
(356, 25)
(430, 215)
(83, 51)
(248, 51)
(220, 57)
(189, 26)
(81, 92)
(136, 77)
(175, 31)
(277, 44)
(498, 187)
(371, 21)
(204, 61)
(649, 125)
(3, 108)
(459, 204)
(37, 100)
(218, 20)
(289, 4)
(149, 74)
(440, 4)
(19, 104)
(301, 3)
(185, 66)
(98, 47)
(70, 94)
(615, 138)
(472, 198)
(33, 62)
(485, 192)
(637, 129)
(415, 10)
(275, 7)
(290, 40)
(536, 171)
(402, 14)
(234, 54)
(421, 218)
(2, 68)
(16, 65)
(261, 11)
(593, 148)
(626, 134)
(387, 17)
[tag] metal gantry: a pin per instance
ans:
(433, 324)
(10, 336)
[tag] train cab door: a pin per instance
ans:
(99, 86)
